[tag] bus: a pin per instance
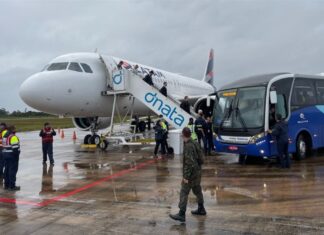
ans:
(245, 110)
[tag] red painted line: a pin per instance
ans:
(18, 202)
(75, 191)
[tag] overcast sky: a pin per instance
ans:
(249, 37)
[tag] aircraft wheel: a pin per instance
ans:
(95, 139)
(103, 145)
(86, 139)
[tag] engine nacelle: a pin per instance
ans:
(202, 104)
(85, 124)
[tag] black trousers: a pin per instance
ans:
(282, 148)
(157, 145)
(11, 168)
(1, 163)
(209, 143)
(48, 151)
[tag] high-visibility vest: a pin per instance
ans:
(2, 134)
(193, 133)
(164, 126)
(10, 143)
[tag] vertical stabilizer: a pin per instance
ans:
(209, 73)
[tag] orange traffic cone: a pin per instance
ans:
(74, 137)
(62, 134)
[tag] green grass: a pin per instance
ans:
(33, 124)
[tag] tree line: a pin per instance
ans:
(18, 113)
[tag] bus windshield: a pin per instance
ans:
(241, 108)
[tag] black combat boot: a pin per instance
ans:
(200, 211)
(181, 216)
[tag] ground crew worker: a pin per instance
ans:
(209, 136)
(47, 134)
(200, 126)
(159, 132)
(165, 129)
(191, 126)
(192, 161)
(11, 152)
(148, 78)
(164, 90)
(280, 133)
(185, 105)
(3, 130)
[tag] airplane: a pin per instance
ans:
(72, 85)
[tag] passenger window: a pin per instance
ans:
(58, 66)
(86, 68)
(303, 94)
(75, 67)
(320, 91)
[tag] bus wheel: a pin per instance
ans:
(301, 148)
(242, 158)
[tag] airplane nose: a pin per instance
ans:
(29, 91)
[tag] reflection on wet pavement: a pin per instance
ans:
(124, 191)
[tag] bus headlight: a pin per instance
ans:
(254, 138)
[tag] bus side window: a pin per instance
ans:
(303, 94)
(320, 91)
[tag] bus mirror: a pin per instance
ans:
(208, 101)
(273, 97)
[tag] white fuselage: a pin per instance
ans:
(78, 93)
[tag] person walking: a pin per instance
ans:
(200, 128)
(280, 133)
(148, 78)
(3, 130)
(164, 90)
(191, 126)
(47, 134)
(209, 136)
(11, 152)
(192, 161)
(185, 105)
(165, 127)
(159, 138)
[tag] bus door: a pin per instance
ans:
(278, 108)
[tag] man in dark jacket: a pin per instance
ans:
(191, 178)
(148, 78)
(47, 134)
(209, 137)
(200, 128)
(280, 133)
(164, 90)
(159, 138)
(185, 105)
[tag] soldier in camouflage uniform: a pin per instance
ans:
(192, 160)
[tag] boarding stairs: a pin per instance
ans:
(127, 82)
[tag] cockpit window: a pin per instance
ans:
(58, 66)
(45, 68)
(86, 68)
(75, 67)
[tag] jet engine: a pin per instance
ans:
(91, 123)
(202, 104)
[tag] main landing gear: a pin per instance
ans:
(94, 138)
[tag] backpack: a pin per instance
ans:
(199, 152)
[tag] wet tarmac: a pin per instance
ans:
(125, 191)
